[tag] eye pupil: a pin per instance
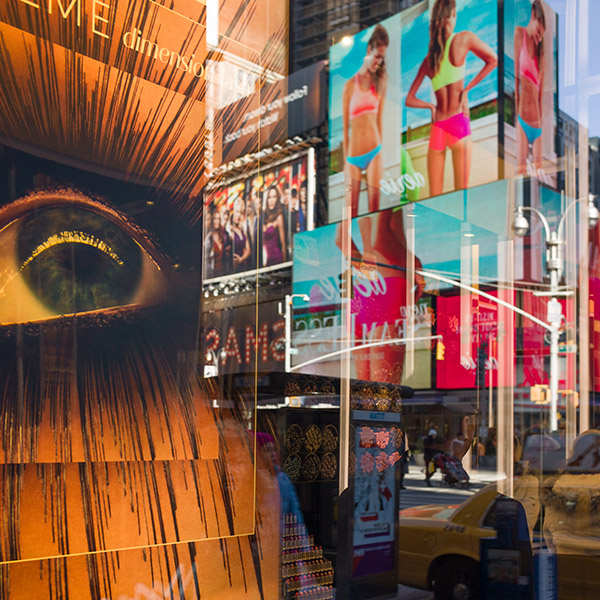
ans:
(77, 261)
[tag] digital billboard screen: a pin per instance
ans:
(278, 111)
(405, 122)
(249, 225)
(454, 239)
(530, 89)
(382, 314)
(233, 342)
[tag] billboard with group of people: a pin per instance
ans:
(249, 224)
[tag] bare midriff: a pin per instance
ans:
(529, 105)
(364, 134)
(448, 100)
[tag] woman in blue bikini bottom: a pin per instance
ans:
(362, 161)
(532, 133)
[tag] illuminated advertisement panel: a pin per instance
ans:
(277, 112)
(470, 344)
(401, 126)
(535, 346)
(114, 486)
(530, 89)
(250, 224)
(379, 315)
(234, 343)
(100, 297)
(470, 357)
(117, 84)
(455, 240)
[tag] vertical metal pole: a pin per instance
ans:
(345, 333)
(554, 268)
(506, 370)
(288, 332)
(310, 189)
(491, 374)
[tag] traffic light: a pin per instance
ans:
(440, 350)
(481, 360)
(345, 279)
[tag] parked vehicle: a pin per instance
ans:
(439, 544)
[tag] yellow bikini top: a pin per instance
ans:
(447, 72)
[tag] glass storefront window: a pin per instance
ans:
(298, 299)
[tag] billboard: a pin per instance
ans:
(381, 315)
(530, 89)
(276, 112)
(406, 123)
(471, 340)
(234, 342)
(99, 296)
(455, 239)
(115, 86)
(249, 224)
(113, 486)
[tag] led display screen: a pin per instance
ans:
(249, 225)
(530, 89)
(392, 139)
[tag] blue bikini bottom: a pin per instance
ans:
(532, 133)
(362, 161)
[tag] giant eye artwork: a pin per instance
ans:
(118, 470)
(63, 253)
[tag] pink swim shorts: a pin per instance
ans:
(444, 134)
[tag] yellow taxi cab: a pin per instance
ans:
(439, 544)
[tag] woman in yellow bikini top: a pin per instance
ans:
(445, 66)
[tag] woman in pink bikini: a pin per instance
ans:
(445, 66)
(529, 87)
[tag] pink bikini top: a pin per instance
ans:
(363, 102)
(528, 65)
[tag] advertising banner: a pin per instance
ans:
(98, 316)
(276, 112)
(409, 116)
(530, 89)
(377, 450)
(113, 486)
(471, 338)
(454, 241)
(250, 224)
(118, 85)
(470, 342)
(384, 311)
(234, 342)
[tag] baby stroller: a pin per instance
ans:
(453, 473)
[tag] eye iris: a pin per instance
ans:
(76, 261)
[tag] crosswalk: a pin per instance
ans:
(416, 492)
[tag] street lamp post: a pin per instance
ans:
(554, 266)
